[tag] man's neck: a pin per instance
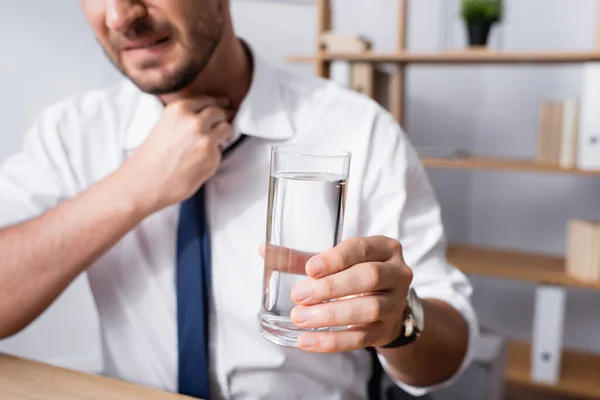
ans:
(227, 74)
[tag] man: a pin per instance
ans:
(105, 182)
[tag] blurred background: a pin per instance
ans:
(509, 218)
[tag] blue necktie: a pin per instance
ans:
(193, 292)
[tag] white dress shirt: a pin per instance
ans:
(79, 141)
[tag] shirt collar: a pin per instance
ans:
(262, 113)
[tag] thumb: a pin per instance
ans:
(261, 249)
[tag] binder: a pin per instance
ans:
(589, 122)
(546, 350)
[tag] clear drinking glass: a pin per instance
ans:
(307, 194)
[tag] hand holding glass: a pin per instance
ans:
(307, 194)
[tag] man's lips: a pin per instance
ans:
(144, 44)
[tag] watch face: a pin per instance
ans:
(417, 309)
(413, 321)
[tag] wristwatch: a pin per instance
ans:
(413, 321)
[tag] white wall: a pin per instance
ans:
(488, 109)
(48, 53)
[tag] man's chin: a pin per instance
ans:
(153, 86)
(161, 83)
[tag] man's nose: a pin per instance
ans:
(121, 14)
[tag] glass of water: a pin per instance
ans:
(307, 195)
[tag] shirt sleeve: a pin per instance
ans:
(38, 177)
(398, 201)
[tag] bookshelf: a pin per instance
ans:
(506, 264)
(503, 164)
(454, 57)
(580, 375)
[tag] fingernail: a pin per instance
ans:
(301, 314)
(307, 341)
(315, 266)
(301, 292)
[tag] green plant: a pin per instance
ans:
(490, 11)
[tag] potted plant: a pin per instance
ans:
(480, 16)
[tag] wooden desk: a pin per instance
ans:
(29, 380)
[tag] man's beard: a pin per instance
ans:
(199, 49)
(174, 81)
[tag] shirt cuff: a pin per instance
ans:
(462, 305)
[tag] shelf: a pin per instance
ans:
(580, 375)
(522, 266)
(457, 57)
(503, 164)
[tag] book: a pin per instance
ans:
(558, 133)
(569, 134)
(583, 250)
(337, 43)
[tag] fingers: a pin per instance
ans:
(212, 121)
(343, 256)
(351, 252)
(210, 112)
(350, 339)
(286, 260)
(361, 278)
(211, 117)
(223, 131)
(355, 311)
